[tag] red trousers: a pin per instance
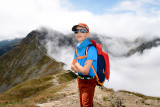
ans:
(86, 91)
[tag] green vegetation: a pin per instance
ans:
(65, 77)
(34, 91)
(105, 98)
(27, 89)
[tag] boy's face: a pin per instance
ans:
(81, 36)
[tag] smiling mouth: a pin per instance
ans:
(79, 36)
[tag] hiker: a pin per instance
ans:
(82, 65)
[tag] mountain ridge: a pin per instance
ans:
(26, 61)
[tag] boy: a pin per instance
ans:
(82, 65)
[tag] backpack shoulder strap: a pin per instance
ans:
(92, 65)
(88, 48)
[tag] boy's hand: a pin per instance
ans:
(75, 60)
(85, 63)
(73, 67)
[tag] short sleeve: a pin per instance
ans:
(92, 53)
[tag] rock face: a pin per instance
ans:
(145, 45)
(26, 61)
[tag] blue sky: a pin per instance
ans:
(106, 6)
(94, 6)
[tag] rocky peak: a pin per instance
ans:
(31, 37)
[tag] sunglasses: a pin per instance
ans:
(81, 30)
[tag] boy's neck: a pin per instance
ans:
(80, 42)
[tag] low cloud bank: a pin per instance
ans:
(138, 73)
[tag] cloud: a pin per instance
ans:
(138, 73)
(24, 16)
(127, 5)
(144, 7)
(27, 15)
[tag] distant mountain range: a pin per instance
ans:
(6, 45)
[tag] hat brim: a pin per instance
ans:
(75, 26)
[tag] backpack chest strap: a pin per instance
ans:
(80, 57)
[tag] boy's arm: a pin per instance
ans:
(84, 70)
(73, 67)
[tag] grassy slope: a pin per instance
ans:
(36, 90)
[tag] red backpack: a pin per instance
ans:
(103, 65)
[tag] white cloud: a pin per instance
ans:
(26, 15)
(127, 5)
(138, 73)
(144, 7)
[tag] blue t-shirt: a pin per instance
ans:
(91, 55)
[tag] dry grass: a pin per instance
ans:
(141, 95)
(48, 94)
(66, 77)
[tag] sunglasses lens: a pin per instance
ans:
(81, 30)
(75, 32)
